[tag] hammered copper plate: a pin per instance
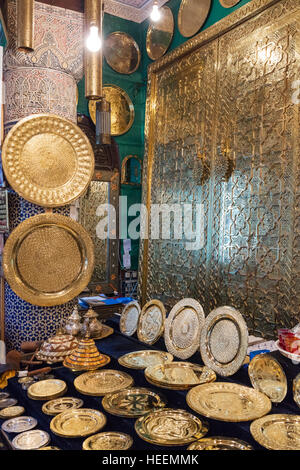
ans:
(296, 390)
(267, 376)
(229, 3)
(11, 412)
(183, 327)
(122, 52)
(47, 389)
(20, 424)
(277, 432)
(151, 322)
(169, 427)
(31, 440)
(77, 423)
(133, 402)
(179, 375)
(224, 341)
(220, 443)
(143, 359)
(228, 402)
(160, 34)
(122, 109)
(108, 441)
(129, 318)
(192, 15)
(59, 405)
(99, 383)
(48, 259)
(48, 160)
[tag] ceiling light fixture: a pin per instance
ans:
(155, 13)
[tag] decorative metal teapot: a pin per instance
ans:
(73, 324)
(92, 323)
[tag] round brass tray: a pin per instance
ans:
(160, 34)
(20, 424)
(133, 402)
(169, 427)
(183, 327)
(108, 441)
(142, 359)
(31, 440)
(47, 389)
(101, 382)
(192, 15)
(179, 375)
(129, 318)
(11, 412)
(77, 423)
(151, 322)
(267, 376)
(48, 160)
(48, 259)
(229, 3)
(296, 389)
(122, 109)
(228, 402)
(277, 431)
(220, 443)
(59, 405)
(122, 52)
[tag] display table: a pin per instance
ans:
(115, 346)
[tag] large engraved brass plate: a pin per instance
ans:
(48, 259)
(122, 53)
(179, 375)
(77, 423)
(151, 322)
(160, 34)
(277, 432)
(48, 160)
(100, 383)
(133, 402)
(144, 359)
(129, 318)
(192, 15)
(54, 407)
(267, 376)
(228, 402)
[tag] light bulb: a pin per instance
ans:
(155, 13)
(93, 42)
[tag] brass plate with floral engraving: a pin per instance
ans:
(133, 402)
(229, 3)
(277, 431)
(31, 440)
(179, 375)
(48, 160)
(108, 441)
(143, 359)
(129, 318)
(267, 376)
(192, 15)
(220, 443)
(99, 383)
(151, 322)
(160, 34)
(47, 389)
(48, 259)
(169, 427)
(54, 407)
(77, 423)
(122, 110)
(122, 52)
(228, 402)
(12, 412)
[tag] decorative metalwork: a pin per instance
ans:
(160, 34)
(267, 376)
(122, 52)
(277, 431)
(192, 15)
(108, 441)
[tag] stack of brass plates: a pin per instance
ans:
(144, 359)
(101, 382)
(11, 412)
(108, 441)
(228, 402)
(31, 440)
(179, 375)
(296, 389)
(129, 318)
(77, 423)
(86, 357)
(151, 322)
(133, 402)
(267, 376)
(47, 389)
(169, 427)
(54, 407)
(20, 424)
(277, 432)
(220, 443)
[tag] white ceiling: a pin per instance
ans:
(133, 10)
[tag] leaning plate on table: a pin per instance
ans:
(7, 402)
(77, 423)
(99, 383)
(169, 427)
(228, 402)
(129, 318)
(108, 441)
(31, 440)
(296, 389)
(54, 407)
(224, 341)
(20, 424)
(267, 376)
(179, 375)
(47, 389)
(277, 432)
(143, 359)
(11, 412)
(151, 322)
(183, 327)
(220, 443)
(133, 402)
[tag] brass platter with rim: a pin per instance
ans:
(179, 375)
(80, 422)
(220, 443)
(133, 402)
(129, 318)
(48, 160)
(142, 359)
(58, 405)
(48, 389)
(296, 389)
(169, 427)
(229, 402)
(31, 440)
(12, 412)
(48, 259)
(267, 376)
(160, 34)
(108, 441)
(229, 3)
(277, 431)
(151, 322)
(122, 52)
(99, 383)
(192, 15)
(224, 341)
(122, 109)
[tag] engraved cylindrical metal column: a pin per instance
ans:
(25, 25)
(93, 59)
